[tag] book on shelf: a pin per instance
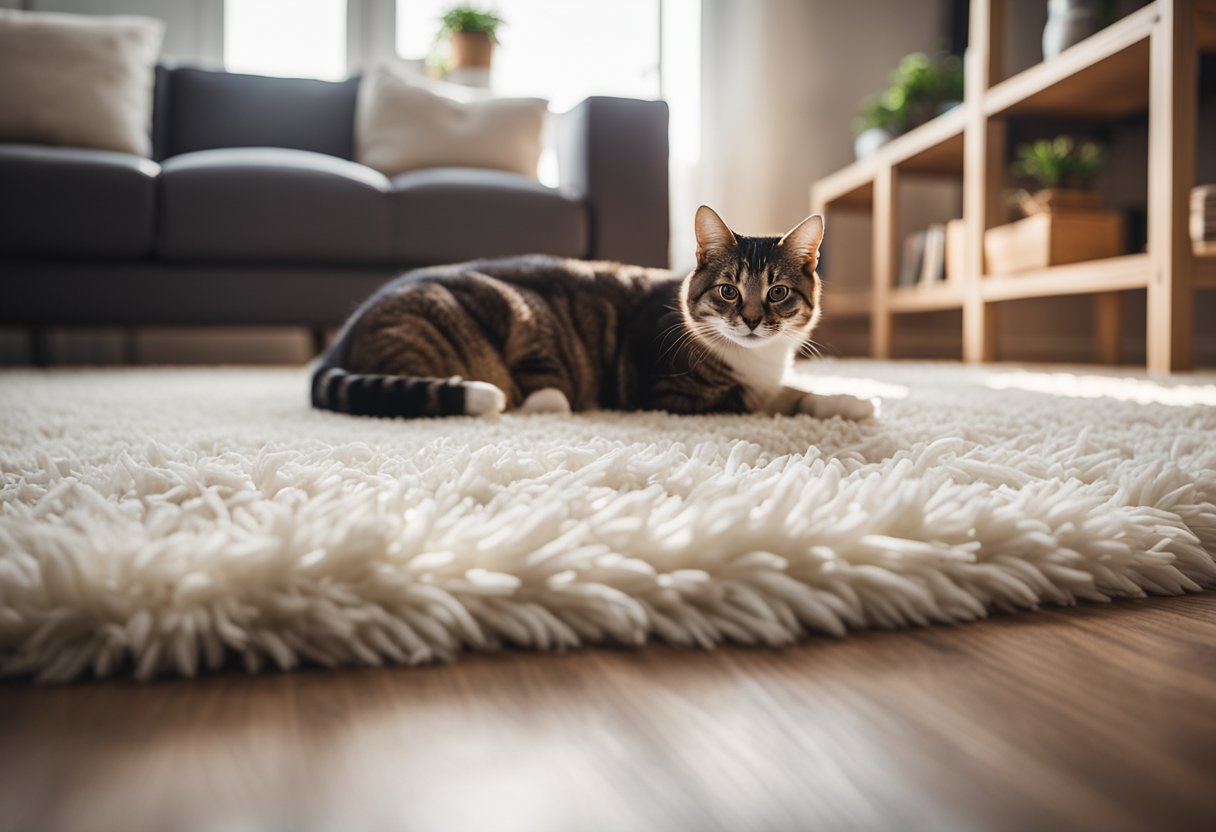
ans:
(913, 259)
(1203, 214)
(933, 266)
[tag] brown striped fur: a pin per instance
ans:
(603, 335)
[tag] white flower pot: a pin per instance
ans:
(869, 141)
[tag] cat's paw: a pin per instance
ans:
(483, 399)
(546, 400)
(844, 406)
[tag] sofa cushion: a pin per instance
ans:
(402, 126)
(78, 80)
(444, 215)
(261, 204)
(70, 202)
(210, 109)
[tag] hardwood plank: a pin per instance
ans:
(1131, 271)
(1096, 717)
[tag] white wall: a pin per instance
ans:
(782, 80)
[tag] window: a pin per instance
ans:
(302, 38)
(556, 49)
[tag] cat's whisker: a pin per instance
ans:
(683, 334)
(815, 346)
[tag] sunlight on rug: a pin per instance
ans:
(163, 521)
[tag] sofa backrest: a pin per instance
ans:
(201, 109)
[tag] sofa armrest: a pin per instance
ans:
(613, 152)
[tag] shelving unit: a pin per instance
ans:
(1143, 62)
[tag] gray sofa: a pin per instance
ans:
(252, 210)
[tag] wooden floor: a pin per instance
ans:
(1100, 717)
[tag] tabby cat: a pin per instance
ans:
(545, 334)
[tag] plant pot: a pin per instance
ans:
(1069, 22)
(868, 141)
(471, 50)
(1055, 200)
(1053, 240)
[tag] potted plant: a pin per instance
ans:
(1064, 222)
(928, 85)
(1063, 172)
(877, 125)
(922, 87)
(471, 33)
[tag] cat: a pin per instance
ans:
(546, 334)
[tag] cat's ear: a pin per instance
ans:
(712, 233)
(802, 241)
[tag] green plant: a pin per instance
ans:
(1059, 163)
(920, 85)
(876, 113)
(467, 18)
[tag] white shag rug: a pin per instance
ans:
(163, 521)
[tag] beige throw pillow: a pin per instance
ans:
(402, 126)
(78, 80)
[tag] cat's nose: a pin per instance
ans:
(752, 323)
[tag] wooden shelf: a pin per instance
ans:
(1115, 274)
(926, 298)
(932, 148)
(846, 304)
(935, 148)
(851, 187)
(1205, 25)
(1105, 75)
(1205, 265)
(1142, 63)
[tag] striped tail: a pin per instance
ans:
(367, 394)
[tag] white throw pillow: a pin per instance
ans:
(78, 80)
(402, 126)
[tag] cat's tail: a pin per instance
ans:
(371, 394)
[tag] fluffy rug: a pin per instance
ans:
(167, 521)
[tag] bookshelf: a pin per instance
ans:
(1145, 62)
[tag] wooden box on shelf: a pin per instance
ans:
(1052, 239)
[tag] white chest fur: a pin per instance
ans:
(761, 369)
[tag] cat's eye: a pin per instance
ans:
(728, 292)
(778, 294)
